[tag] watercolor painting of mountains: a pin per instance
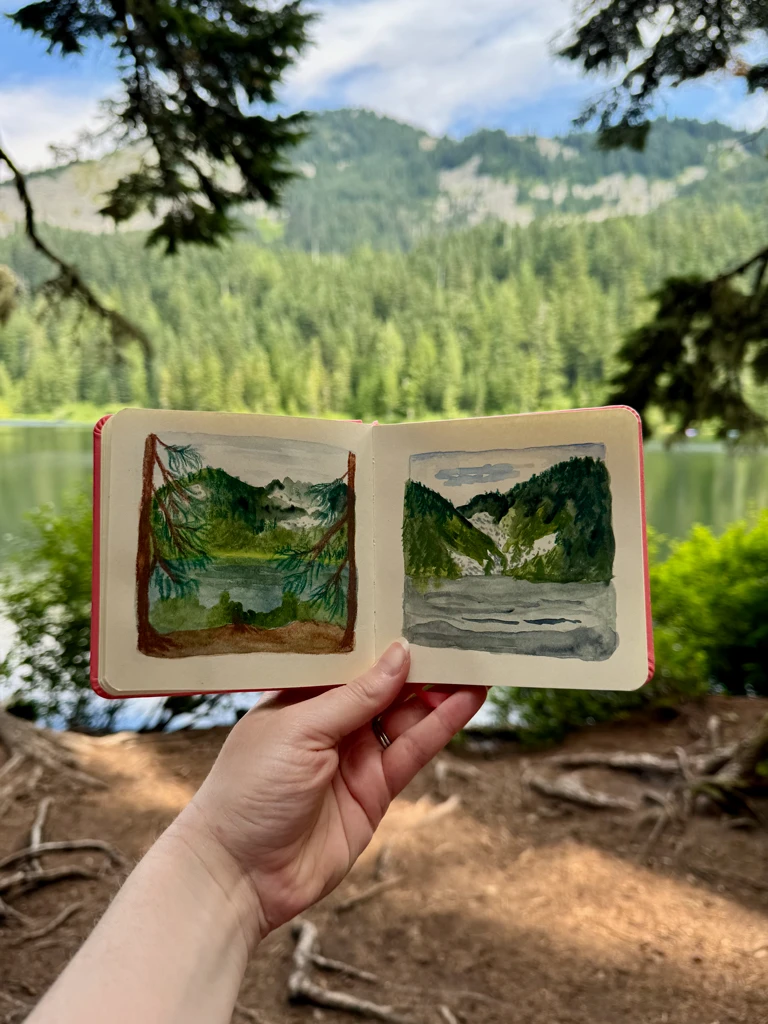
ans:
(511, 552)
(246, 544)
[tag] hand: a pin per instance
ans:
(302, 783)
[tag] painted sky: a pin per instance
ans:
(449, 66)
(260, 460)
(458, 476)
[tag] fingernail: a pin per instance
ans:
(392, 660)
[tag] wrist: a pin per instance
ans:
(218, 871)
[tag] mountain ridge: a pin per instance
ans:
(557, 524)
(370, 180)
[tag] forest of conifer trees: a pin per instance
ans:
(486, 320)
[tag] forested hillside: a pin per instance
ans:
(484, 320)
(369, 180)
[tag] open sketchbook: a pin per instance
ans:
(244, 552)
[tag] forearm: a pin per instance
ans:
(172, 947)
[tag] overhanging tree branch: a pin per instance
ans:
(69, 282)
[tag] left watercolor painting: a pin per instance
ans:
(246, 545)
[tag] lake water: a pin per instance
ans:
(689, 484)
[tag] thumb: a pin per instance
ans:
(338, 712)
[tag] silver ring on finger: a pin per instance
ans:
(379, 733)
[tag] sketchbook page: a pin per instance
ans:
(509, 550)
(234, 558)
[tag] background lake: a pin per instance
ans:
(692, 483)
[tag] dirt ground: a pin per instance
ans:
(512, 907)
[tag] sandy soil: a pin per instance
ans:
(511, 908)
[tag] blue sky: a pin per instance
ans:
(449, 66)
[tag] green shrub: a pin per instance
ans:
(710, 610)
(710, 605)
(46, 593)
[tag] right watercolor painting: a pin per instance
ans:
(511, 552)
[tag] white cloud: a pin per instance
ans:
(32, 117)
(433, 62)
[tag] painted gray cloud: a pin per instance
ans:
(487, 474)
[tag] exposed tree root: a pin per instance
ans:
(26, 742)
(570, 787)
(302, 989)
(31, 874)
(50, 926)
(367, 894)
(727, 777)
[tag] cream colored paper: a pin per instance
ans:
(617, 429)
(123, 670)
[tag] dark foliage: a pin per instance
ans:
(196, 79)
(708, 342)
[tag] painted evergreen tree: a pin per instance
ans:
(172, 529)
(306, 568)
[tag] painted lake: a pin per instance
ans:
(256, 583)
(502, 614)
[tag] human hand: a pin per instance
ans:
(302, 783)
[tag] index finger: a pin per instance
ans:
(416, 747)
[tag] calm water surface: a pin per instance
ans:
(693, 484)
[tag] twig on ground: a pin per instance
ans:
(36, 832)
(327, 964)
(14, 761)
(715, 731)
(301, 988)
(50, 926)
(666, 816)
(248, 1013)
(383, 863)
(448, 1016)
(367, 894)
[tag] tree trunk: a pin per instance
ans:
(144, 555)
(348, 641)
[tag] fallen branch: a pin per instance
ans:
(301, 988)
(569, 787)
(367, 894)
(51, 926)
